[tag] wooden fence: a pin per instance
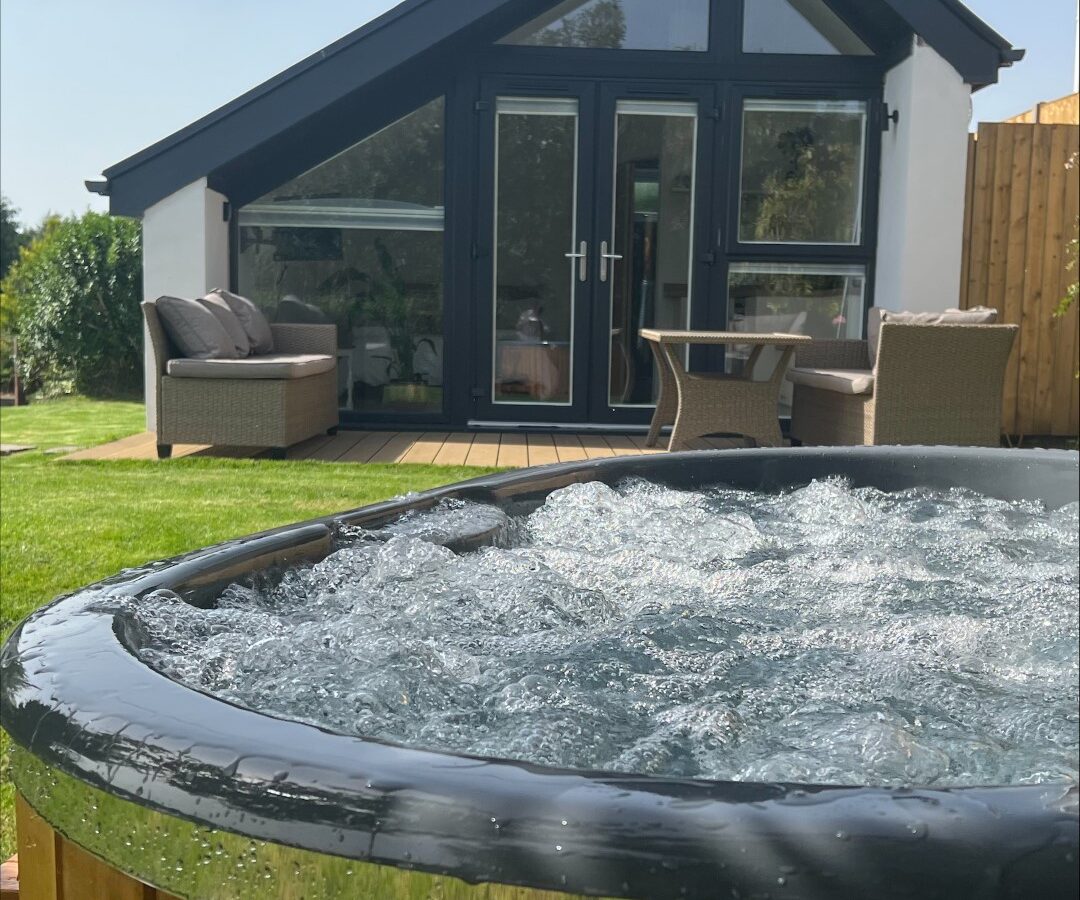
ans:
(1023, 195)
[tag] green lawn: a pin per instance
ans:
(64, 525)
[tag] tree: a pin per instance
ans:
(1072, 253)
(600, 23)
(11, 238)
(74, 296)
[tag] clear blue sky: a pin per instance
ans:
(85, 84)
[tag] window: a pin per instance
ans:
(358, 241)
(798, 26)
(822, 301)
(802, 172)
(619, 25)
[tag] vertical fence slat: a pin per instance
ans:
(1034, 333)
(1015, 243)
(969, 209)
(1053, 263)
(981, 208)
(997, 267)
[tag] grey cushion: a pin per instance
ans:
(839, 381)
(291, 310)
(275, 366)
(194, 330)
(977, 315)
(251, 318)
(217, 305)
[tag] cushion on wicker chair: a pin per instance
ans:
(194, 329)
(272, 366)
(977, 315)
(251, 318)
(839, 381)
(229, 321)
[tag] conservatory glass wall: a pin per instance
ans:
(358, 242)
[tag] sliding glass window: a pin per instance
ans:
(822, 301)
(358, 241)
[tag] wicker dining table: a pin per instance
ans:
(703, 403)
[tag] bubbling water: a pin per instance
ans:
(824, 635)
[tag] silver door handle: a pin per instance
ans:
(604, 257)
(583, 261)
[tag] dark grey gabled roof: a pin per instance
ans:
(401, 58)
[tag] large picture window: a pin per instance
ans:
(358, 241)
(619, 25)
(803, 165)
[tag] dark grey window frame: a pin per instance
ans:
(793, 76)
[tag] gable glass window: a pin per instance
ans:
(802, 170)
(798, 26)
(619, 25)
(358, 241)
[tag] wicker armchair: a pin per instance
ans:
(932, 385)
(247, 411)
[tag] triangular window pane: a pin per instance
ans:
(619, 25)
(798, 26)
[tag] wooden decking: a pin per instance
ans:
(507, 449)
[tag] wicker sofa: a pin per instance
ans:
(932, 385)
(269, 401)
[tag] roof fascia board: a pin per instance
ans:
(974, 49)
(329, 74)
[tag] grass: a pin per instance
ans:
(67, 524)
(74, 422)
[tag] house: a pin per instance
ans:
(490, 199)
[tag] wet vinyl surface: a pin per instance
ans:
(827, 635)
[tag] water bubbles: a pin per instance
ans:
(827, 635)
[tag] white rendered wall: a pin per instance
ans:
(185, 254)
(923, 176)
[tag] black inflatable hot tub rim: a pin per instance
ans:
(76, 697)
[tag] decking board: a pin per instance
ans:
(508, 449)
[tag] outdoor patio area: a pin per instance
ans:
(512, 450)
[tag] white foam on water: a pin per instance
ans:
(825, 635)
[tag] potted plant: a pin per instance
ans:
(402, 312)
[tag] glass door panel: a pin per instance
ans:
(646, 267)
(539, 262)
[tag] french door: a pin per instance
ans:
(594, 224)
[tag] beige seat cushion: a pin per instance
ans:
(839, 381)
(977, 315)
(275, 366)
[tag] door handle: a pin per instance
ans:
(604, 257)
(583, 261)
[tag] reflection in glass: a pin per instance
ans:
(535, 200)
(822, 301)
(802, 171)
(653, 224)
(619, 25)
(358, 242)
(798, 26)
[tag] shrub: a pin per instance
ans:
(74, 294)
